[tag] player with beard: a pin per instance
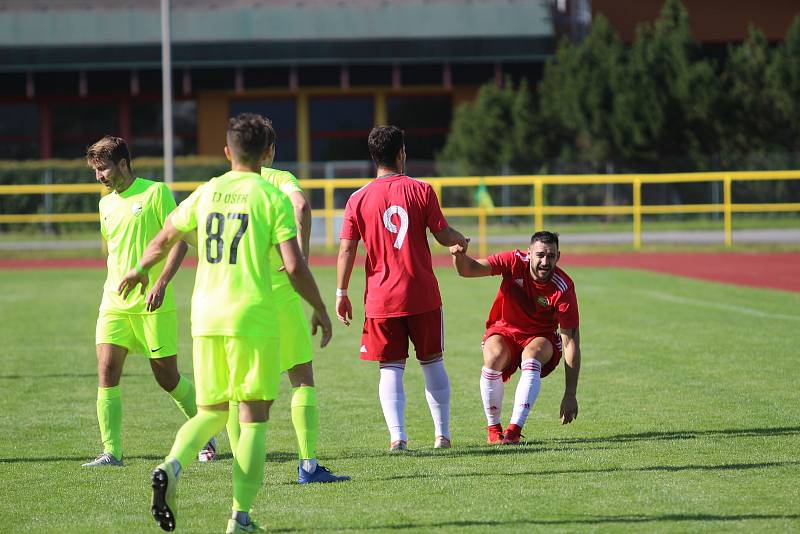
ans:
(536, 299)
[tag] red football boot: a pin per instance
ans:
(512, 435)
(494, 434)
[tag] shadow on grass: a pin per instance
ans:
(548, 445)
(76, 459)
(63, 375)
(644, 469)
(576, 443)
(683, 434)
(519, 523)
(272, 457)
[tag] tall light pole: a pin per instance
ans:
(166, 90)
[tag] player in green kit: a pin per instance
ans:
(295, 334)
(130, 216)
(238, 218)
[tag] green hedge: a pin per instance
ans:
(187, 169)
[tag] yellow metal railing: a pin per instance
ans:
(537, 210)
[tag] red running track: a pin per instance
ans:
(779, 270)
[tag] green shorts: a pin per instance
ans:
(295, 333)
(235, 369)
(152, 334)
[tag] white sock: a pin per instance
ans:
(437, 391)
(492, 394)
(527, 391)
(309, 465)
(393, 398)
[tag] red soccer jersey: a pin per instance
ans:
(526, 306)
(391, 215)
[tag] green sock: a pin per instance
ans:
(184, 395)
(305, 418)
(248, 465)
(195, 433)
(109, 416)
(233, 426)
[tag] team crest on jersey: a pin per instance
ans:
(543, 302)
(136, 209)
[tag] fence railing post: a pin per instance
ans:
(329, 214)
(482, 244)
(727, 201)
(437, 188)
(637, 213)
(538, 204)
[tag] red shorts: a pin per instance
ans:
(516, 343)
(386, 338)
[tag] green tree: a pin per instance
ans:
(496, 132)
(665, 112)
(578, 95)
(784, 81)
(477, 143)
(752, 120)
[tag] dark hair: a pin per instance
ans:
(109, 148)
(249, 135)
(384, 144)
(549, 238)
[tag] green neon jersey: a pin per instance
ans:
(128, 221)
(239, 218)
(288, 184)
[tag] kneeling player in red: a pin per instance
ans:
(536, 299)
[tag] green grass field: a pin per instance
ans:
(688, 421)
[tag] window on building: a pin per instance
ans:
(216, 78)
(425, 120)
(14, 84)
(258, 77)
(56, 83)
(147, 137)
(76, 125)
(422, 75)
(370, 75)
(19, 131)
(318, 76)
(283, 114)
(340, 127)
(108, 81)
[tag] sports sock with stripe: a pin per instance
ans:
(437, 393)
(305, 419)
(248, 465)
(492, 394)
(109, 417)
(527, 391)
(393, 398)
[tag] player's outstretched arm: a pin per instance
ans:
(303, 282)
(450, 236)
(572, 366)
(174, 259)
(156, 250)
(466, 266)
(344, 268)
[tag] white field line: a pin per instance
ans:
(719, 306)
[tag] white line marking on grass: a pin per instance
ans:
(727, 307)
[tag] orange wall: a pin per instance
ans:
(212, 122)
(713, 21)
